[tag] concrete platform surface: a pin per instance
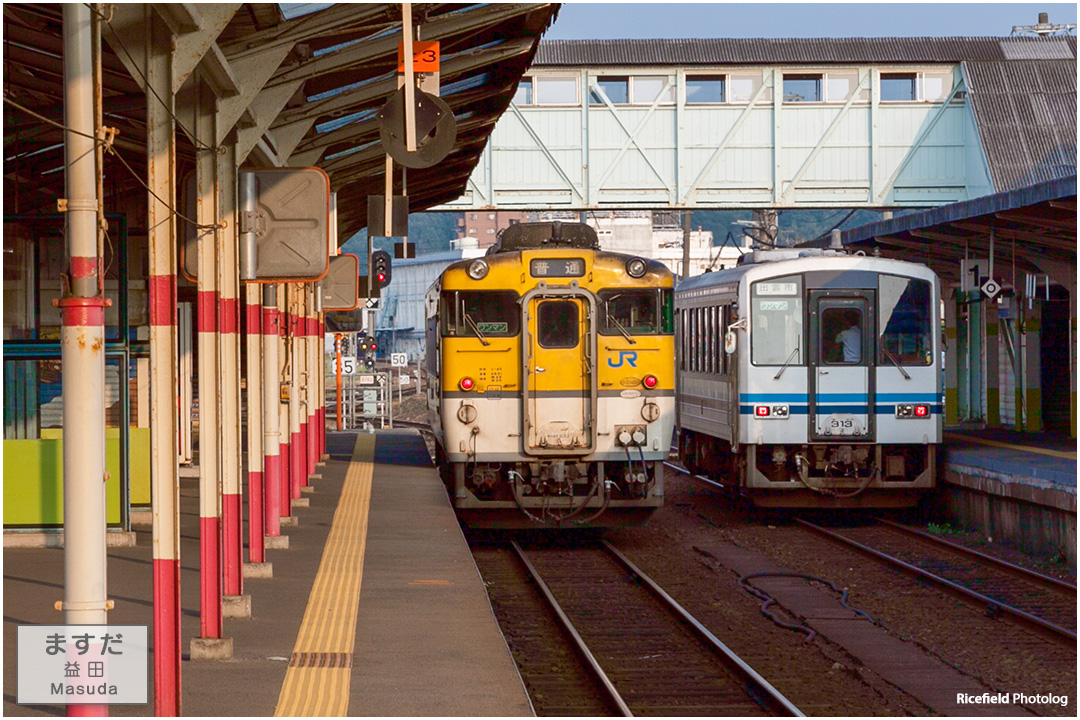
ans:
(426, 642)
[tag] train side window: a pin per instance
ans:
(712, 340)
(905, 316)
(682, 339)
(557, 324)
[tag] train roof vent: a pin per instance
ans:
(556, 234)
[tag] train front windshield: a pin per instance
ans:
(776, 321)
(905, 317)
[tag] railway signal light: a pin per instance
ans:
(380, 267)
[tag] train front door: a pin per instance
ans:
(560, 380)
(841, 388)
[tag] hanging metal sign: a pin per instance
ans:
(284, 225)
(436, 129)
(341, 286)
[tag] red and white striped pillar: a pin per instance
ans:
(209, 445)
(161, 283)
(283, 380)
(228, 245)
(254, 391)
(82, 348)
(314, 372)
(303, 357)
(296, 457)
(271, 411)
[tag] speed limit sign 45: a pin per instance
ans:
(399, 360)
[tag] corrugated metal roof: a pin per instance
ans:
(806, 51)
(1025, 111)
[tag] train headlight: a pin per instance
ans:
(772, 411)
(636, 267)
(477, 270)
(466, 383)
(649, 381)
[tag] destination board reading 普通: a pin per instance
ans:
(557, 267)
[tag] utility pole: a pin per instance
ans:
(686, 219)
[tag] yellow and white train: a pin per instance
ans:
(551, 380)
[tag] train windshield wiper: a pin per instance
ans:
(472, 325)
(620, 328)
(787, 362)
(894, 361)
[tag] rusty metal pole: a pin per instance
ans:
(270, 411)
(229, 356)
(82, 347)
(164, 388)
(209, 445)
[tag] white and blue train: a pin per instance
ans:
(811, 378)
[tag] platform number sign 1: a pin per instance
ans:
(399, 360)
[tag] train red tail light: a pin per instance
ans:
(761, 410)
(466, 383)
(649, 381)
(922, 410)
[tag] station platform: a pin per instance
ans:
(1017, 487)
(416, 638)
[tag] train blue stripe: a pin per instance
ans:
(841, 397)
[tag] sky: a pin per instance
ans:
(606, 21)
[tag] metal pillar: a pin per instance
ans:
(951, 393)
(993, 378)
(82, 348)
(209, 393)
(164, 467)
(229, 356)
(271, 410)
(254, 391)
(303, 377)
(1032, 367)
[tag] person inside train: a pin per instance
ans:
(851, 338)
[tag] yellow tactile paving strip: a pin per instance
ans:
(1025, 448)
(317, 681)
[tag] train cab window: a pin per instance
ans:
(776, 322)
(557, 324)
(841, 336)
(635, 312)
(491, 313)
(906, 317)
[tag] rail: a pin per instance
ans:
(1055, 632)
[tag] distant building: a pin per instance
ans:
(485, 225)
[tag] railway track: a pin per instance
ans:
(1044, 604)
(641, 652)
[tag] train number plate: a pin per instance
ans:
(842, 424)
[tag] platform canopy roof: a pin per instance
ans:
(1033, 230)
(293, 90)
